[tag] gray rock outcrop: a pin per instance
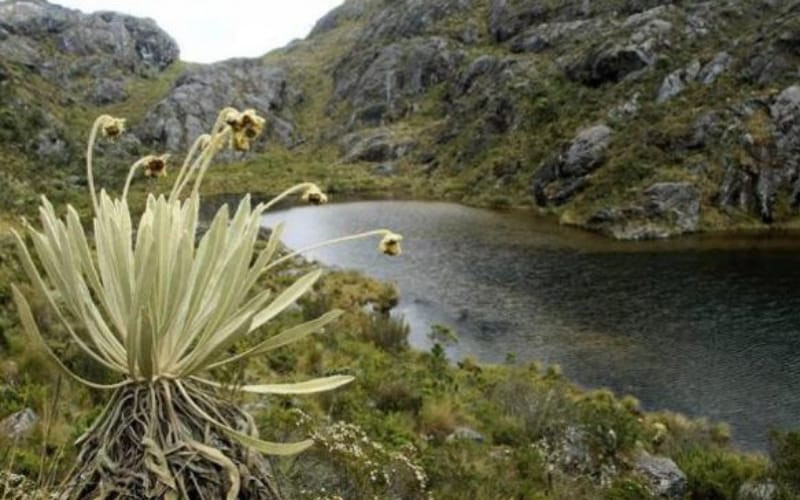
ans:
(558, 179)
(757, 490)
(608, 64)
(386, 79)
(677, 81)
(664, 477)
(375, 146)
(19, 424)
(664, 209)
(191, 107)
(509, 17)
(102, 45)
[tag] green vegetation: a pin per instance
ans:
(411, 424)
(388, 431)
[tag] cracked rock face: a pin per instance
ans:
(666, 480)
(391, 75)
(102, 44)
(565, 175)
(19, 424)
(192, 105)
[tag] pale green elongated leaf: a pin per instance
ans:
(139, 342)
(269, 447)
(232, 275)
(224, 462)
(308, 387)
(38, 282)
(156, 462)
(265, 447)
(108, 278)
(285, 337)
(81, 248)
(265, 255)
(110, 241)
(145, 355)
(225, 290)
(203, 272)
(181, 269)
(29, 325)
(222, 338)
(285, 299)
(81, 245)
(235, 326)
(132, 344)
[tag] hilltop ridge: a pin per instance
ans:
(638, 119)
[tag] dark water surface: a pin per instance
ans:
(704, 326)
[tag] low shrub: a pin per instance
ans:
(784, 448)
(387, 332)
(717, 474)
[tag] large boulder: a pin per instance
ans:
(608, 64)
(563, 176)
(192, 105)
(785, 110)
(19, 424)
(663, 210)
(677, 81)
(587, 151)
(663, 476)
(379, 145)
(674, 83)
(774, 53)
(678, 202)
(757, 490)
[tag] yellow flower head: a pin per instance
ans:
(113, 127)
(240, 142)
(390, 244)
(314, 196)
(246, 126)
(155, 166)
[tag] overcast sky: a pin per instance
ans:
(212, 30)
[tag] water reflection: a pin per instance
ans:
(705, 326)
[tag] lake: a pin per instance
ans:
(706, 326)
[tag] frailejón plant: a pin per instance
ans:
(160, 309)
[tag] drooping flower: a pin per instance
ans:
(113, 127)
(390, 244)
(245, 126)
(155, 166)
(314, 195)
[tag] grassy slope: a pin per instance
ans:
(550, 111)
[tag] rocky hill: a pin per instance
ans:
(636, 118)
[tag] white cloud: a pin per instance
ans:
(212, 30)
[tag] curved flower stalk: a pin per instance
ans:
(160, 311)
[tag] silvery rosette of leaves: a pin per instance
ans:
(159, 310)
